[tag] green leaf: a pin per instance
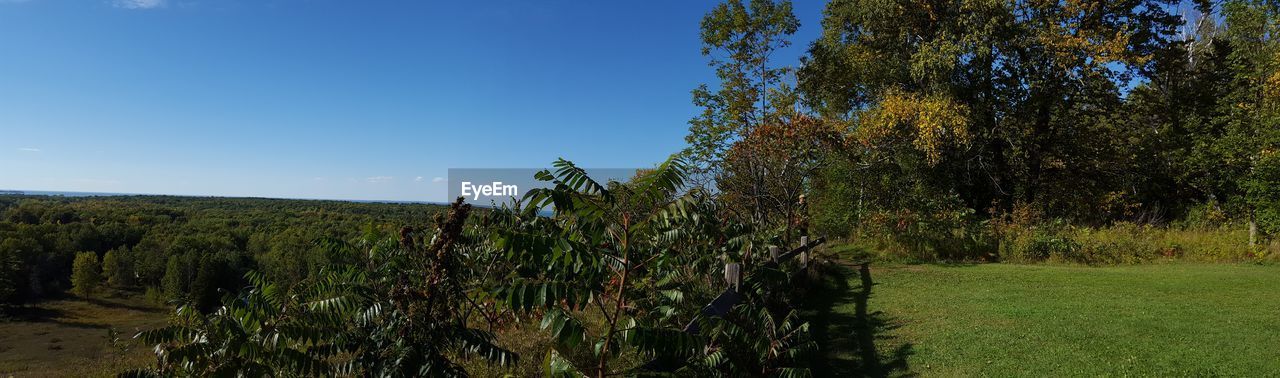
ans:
(559, 367)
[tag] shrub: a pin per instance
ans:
(1123, 243)
(155, 295)
(1206, 215)
(942, 229)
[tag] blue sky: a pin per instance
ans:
(345, 99)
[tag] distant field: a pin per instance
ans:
(68, 337)
(1020, 320)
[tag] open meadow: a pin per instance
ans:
(71, 337)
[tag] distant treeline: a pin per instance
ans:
(176, 247)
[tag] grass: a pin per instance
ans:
(69, 337)
(931, 320)
(1045, 320)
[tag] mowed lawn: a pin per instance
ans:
(1034, 320)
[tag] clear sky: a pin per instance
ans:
(343, 99)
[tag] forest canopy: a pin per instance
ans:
(948, 115)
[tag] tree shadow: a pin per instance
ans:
(76, 324)
(121, 306)
(35, 314)
(846, 329)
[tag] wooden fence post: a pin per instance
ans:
(804, 256)
(774, 251)
(733, 274)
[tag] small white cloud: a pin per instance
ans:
(438, 179)
(29, 149)
(379, 179)
(419, 179)
(138, 4)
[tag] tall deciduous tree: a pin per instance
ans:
(85, 274)
(117, 267)
(739, 38)
(1252, 109)
(765, 173)
(10, 269)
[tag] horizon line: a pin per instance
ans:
(58, 193)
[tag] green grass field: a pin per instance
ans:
(1036, 320)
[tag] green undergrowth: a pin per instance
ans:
(1118, 244)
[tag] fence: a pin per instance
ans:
(733, 276)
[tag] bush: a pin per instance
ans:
(1124, 243)
(1206, 215)
(1024, 235)
(942, 229)
(155, 295)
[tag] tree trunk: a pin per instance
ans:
(603, 365)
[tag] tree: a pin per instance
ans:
(10, 275)
(1173, 120)
(117, 267)
(586, 255)
(176, 281)
(764, 175)
(631, 253)
(396, 311)
(739, 39)
(85, 274)
(205, 285)
(28, 280)
(998, 102)
(1252, 109)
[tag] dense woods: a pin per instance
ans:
(173, 247)
(1096, 132)
(982, 129)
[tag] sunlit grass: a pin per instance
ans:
(1040, 320)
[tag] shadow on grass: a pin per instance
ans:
(50, 312)
(847, 331)
(30, 313)
(34, 314)
(122, 306)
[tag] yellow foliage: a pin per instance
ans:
(1271, 86)
(1070, 38)
(933, 122)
